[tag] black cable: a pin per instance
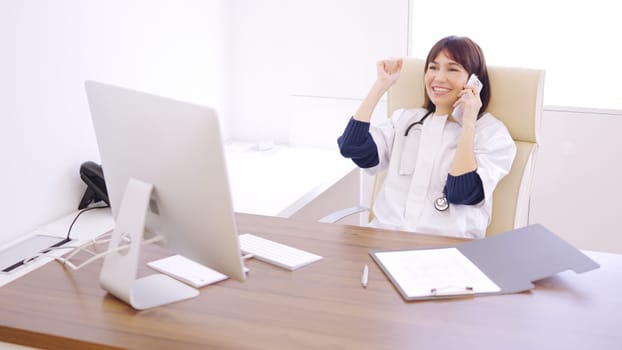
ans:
(67, 239)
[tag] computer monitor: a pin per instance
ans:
(177, 148)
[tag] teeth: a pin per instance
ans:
(439, 89)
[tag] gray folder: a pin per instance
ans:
(514, 259)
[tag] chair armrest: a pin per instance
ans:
(340, 214)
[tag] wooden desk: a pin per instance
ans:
(321, 306)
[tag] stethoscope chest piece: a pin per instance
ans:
(441, 203)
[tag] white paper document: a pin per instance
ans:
(434, 272)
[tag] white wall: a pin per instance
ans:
(302, 67)
(576, 191)
(49, 48)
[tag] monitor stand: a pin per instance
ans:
(118, 274)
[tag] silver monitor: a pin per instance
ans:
(177, 148)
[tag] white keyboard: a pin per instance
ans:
(276, 253)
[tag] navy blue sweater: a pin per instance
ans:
(357, 144)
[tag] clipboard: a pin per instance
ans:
(511, 260)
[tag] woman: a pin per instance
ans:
(441, 174)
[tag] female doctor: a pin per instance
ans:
(441, 172)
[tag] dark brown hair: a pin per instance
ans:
(466, 52)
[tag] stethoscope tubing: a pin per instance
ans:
(441, 203)
(419, 122)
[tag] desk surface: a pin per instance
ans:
(319, 306)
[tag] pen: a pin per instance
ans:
(365, 275)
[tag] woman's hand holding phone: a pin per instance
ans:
(468, 99)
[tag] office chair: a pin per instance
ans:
(516, 100)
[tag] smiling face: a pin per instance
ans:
(444, 79)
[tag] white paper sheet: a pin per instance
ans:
(430, 272)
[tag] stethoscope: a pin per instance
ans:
(419, 122)
(441, 203)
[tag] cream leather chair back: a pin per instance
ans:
(516, 99)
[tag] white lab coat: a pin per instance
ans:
(418, 165)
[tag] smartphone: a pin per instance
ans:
(472, 82)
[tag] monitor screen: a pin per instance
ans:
(176, 147)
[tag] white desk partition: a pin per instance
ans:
(280, 180)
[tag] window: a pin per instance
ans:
(576, 42)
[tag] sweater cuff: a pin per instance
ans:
(356, 143)
(464, 189)
(356, 132)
